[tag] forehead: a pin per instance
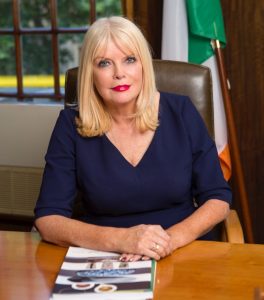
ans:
(111, 47)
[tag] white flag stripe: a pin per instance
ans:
(220, 129)
(174, 31)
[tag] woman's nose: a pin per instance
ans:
(118, 72)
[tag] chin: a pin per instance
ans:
(124, 99)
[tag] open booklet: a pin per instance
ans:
(89, 274)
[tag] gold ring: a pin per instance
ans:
(155, 247)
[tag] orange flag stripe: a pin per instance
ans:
(225, 162)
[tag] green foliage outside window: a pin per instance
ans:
(37, 57)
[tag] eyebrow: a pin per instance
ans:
(97, 57)
(104, 57)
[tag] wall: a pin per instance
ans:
(148, 15)
(24, 133)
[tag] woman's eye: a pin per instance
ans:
(131, 59)
(103, 63)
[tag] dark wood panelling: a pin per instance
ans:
(148, 15)
(244, 56)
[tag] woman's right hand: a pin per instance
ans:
(145, 241)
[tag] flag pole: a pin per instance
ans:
(232, 140)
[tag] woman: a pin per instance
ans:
(139, 157)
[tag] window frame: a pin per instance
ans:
(17, 32)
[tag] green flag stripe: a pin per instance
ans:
(205, 23)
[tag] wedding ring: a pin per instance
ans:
(155, 247)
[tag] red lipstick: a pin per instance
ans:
(121, 88)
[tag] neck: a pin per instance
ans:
(122, 115)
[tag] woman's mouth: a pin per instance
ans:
(121, 88)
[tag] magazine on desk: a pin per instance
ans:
(91, 275)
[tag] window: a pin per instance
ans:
(40, 40)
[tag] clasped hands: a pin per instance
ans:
(143, 242)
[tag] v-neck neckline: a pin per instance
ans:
(148, 149)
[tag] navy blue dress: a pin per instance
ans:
(180, 165)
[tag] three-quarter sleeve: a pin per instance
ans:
(207, 177)
(58, 189)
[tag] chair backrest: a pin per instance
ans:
(171, 76)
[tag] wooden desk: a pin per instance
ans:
(201, 270)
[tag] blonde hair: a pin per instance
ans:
(94, 119)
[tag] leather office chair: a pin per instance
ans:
(187, 79)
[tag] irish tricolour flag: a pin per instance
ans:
(189, 26)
